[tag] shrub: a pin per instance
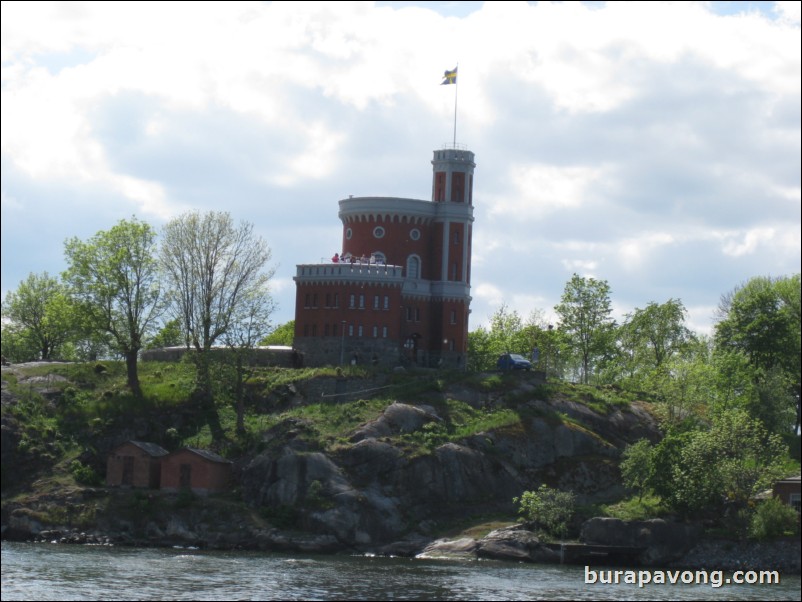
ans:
(84, 475)
(771, 519)
(550, 508)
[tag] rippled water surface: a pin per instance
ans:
(69, 572)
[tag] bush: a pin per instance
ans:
(550, 508)
(772, 519)
(84, 475)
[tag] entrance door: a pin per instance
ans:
(185, 476)
(128, 471)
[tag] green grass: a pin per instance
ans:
(636, 509)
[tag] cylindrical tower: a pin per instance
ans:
(452, 193)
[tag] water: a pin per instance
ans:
(70, 572)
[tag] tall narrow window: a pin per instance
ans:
(457, 187)
(413, 267)
(440, 186)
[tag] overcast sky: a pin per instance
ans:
(652, 145)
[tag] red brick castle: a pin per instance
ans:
(399, 291)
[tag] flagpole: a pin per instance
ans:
(456, 87)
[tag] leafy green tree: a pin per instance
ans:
(731, 461)
(170, 335)
(637, 466)
(653, 335)
(283, 334)
(584, 312)
(761, 320)
(685, 385)
(480, 350)
(551, 509)
(38, 318)
(114, 277)
(17, 344)
(214, 269)
(507, 334)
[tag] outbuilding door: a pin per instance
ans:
(185, 476)
(128, 471)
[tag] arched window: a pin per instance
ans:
(413, 267)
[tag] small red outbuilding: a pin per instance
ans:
(789, 491)
(135, 464)
(198, 470)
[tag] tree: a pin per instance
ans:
(480, 350)
(685, 384)
(584, 313)
(214, 269)
(283, 334)
(507, 334)
(637, 466)
(115, 279)
(37, 319)
(732, 460)
(658, 332)
(169, 335)
(250, 323)
(761, 320)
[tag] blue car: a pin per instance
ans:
(513, 361)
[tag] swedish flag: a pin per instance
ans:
(449, 77)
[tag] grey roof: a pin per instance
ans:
(150, 448)
(209, 455)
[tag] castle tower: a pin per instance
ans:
(401, 288)
(452, 195)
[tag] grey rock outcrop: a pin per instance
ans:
(373, 491)
(662, 541)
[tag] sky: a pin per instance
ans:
(655, 146)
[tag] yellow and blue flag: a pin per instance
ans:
(449, 77)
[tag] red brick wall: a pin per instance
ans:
(145, 467)
(206, 475)
(397, 243)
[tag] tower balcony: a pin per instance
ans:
(360, 272)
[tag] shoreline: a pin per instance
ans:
(503, 545)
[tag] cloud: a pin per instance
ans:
(656, 146)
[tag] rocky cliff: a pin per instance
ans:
(402, 475)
